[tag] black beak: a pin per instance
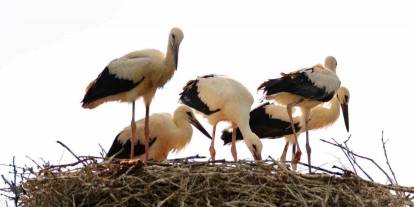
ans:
(345, 115)
(197, 124)
(176, 49)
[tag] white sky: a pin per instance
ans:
(51, 50)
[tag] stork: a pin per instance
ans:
(305, 88)
(220, 98)
(272, 121)
(134, 75)
(167, 133)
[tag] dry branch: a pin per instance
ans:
(189, 183)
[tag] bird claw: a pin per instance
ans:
(131, 162)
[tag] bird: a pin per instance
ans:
(134, 75)
(168, 133)
(272, 121)
(304, 88)
(220, 98)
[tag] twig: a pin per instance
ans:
(386, 157)
(197, 156)
(63, 145)
(347, 152)
(37, 165)
(14, 187)
(348, 156)
(362, 157)
(316, 168)
(102, 152)
(346, 172)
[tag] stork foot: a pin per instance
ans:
(131, 162)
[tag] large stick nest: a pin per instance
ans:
(184, 183)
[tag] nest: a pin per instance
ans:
(191, 183)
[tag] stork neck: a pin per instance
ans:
(322, 116)
(170, 57)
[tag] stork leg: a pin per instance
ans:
(298, 152)
(146, 132)
(285, 149)
(212, 150)
(233, 143)
(308, 148)
(294, 165)
(133, 131)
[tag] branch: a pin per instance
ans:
(347, 152)
(362, 157)
(386, 157)
(80, 161)
(348, 156)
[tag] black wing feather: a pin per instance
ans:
(123, 150)
(190, 97)
(263, 125)
(296, 83)
(108, 84)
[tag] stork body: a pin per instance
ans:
(305, 89)
(134, 75)
(168, 133)
(272, 121)
(221, 98)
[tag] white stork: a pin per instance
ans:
(272, 121)
(167, 133)
(305, 88)
(221, 98)
(137, 74)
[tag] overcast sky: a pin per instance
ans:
(51, 50)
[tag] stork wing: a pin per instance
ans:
(119, 76)
(268, 126)
(123, 150)
(130, 68)
(307, 83)
(190, 97)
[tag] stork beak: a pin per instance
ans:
(257, 156)
(345, 115)
(197, 124)
(176, 49)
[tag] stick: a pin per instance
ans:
(386, 157)
(352, 157)
(362, 157)
(59, 142)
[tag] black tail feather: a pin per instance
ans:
(226, 136)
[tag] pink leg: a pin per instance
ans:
(212, 150)
(308, 148)
(233, 143)
(146, 132)
(133, 131)
(298, 152)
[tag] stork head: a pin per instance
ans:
(342, 94)
(174, 41)
(330, 63)
(187, 114)
(254, 145)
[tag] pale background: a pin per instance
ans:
(50, 51)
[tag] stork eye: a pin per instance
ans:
(189, 114)
(254, 147)
(173, 36)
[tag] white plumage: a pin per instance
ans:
(168, 133)
(221, 98)
(137, 74)
(306, 89)
(320, 116)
